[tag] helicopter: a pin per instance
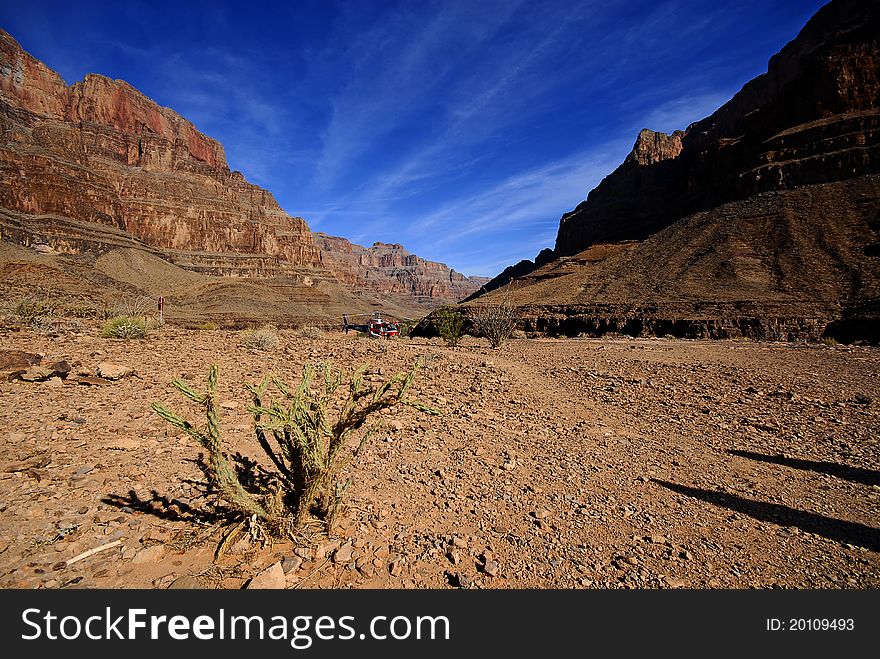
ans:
(376, 326)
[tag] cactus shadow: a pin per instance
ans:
(166, 508)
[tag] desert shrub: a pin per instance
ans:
(450, 325)
(496, 321)
(518, 334)
(78, 308)
(29, 309)
(263, 339)
(828, 341)
(207, 326)
(125, 327)
(307, 448)
(128, 306)
(310, 332)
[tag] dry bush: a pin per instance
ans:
(496, 321)
(207, 326)
(310, 332)
(263, 340)
(125, 327)
(518, 334)
(307, 448)
(129, 306)
(31, 310)
(450, 324)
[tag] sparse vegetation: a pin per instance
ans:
(310, 332)
(450, 324)
(264, 339)
(207, 326)
(496, 321)
(128, 306)
(518, 334)
(125, 327)
(31, 310)
(306, 448)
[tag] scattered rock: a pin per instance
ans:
(458, 579)
(149, 555)
(291, 564)
(343, 554)
(12, 360)
(272, 578)
(186, 582)
(166, 581)
(325, 549)
(36, 374)
(112, 371)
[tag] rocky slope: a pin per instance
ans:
(97, 165)
(389, 269)
(771, 200)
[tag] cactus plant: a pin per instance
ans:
(295, 431)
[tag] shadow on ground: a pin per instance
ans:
(164, 508)
(838, 530)
(853, 474)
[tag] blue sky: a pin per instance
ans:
(462, 129)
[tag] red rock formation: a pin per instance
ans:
(812, 118)
(98, 165)
(101, 153)
(390, 269)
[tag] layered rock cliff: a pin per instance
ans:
(390, 269)
(812, 118)
(760, 220)
(97, 165)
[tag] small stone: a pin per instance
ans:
(55, 382)
(490, 568)
(36, 374)
(303, 552)
(453, 556)
(677, 583)
(291, 564)
(343, 554)
(166, 581)
(458, 579)
(325, 549)
(149, 555)
(186, 582)
(657, 539)
(272, 578)
(686, 555)
(461, 543)
(395, 568)
(112, 371)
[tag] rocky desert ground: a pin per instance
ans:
(555, 463)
